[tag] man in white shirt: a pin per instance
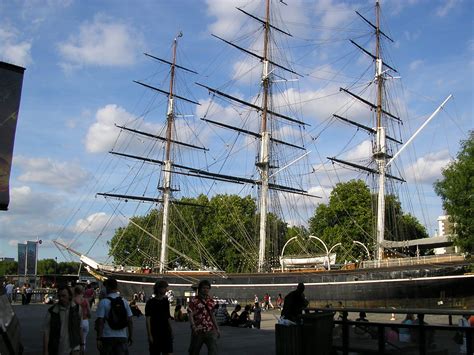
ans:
(113, 341)
(9, 290)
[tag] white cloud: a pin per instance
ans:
(103, 133)
(228, 19)
(14, 242)
(61, 175)
(101, 43)
(332, 14)
(14, 50)
(93, 223)
(416, 64)
(29, 214)
(25, 201)
(443, 10)
(362, 151)
(412, 36)
(428, 169)
(247, 71)
(323, 191)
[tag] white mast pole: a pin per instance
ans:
(380, 148)
(264, 160)
(167, 167)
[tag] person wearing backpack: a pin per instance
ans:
(114, 322)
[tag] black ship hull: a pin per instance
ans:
(417, 285)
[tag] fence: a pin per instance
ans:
(375, 337)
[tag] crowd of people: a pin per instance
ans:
(25, 291)
(67, 321)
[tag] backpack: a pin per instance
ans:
(117, 317)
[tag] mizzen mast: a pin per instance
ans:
(380, 153)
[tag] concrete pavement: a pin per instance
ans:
(233, 341)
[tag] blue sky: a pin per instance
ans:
(81, 58)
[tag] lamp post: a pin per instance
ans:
(55, 269)
(325, 247)
(363, 245)
(329, 252)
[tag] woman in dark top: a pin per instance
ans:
(157, 313)
(244, 318)
(234, 316)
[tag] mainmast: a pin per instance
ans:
(380, 153)
(263, 163)
(168, 166)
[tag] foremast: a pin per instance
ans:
(168, 166)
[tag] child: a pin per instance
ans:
(257, 315)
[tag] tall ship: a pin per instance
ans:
(237, 185)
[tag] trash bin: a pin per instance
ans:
(312, 337)
(288, 339)
(316, 333)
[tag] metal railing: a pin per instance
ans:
(423, 335)
(411, 261)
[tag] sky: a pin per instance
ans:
(81, 58)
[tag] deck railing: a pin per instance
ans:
(411, 261)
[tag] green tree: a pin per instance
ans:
(68, 267)
(457, 190)
(349, 215)
(132, 246)
(216, 233)
(8, 267)
(229, 232)
(400, 226)
(47, 267)
(295, 247)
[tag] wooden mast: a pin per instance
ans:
(264, 158)
(380, 146)
(168, 165)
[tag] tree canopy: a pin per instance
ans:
(456, 189)
(349, 216)
(8, 267)
(219, 232)
(45, 267)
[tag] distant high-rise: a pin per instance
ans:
(445, 226)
